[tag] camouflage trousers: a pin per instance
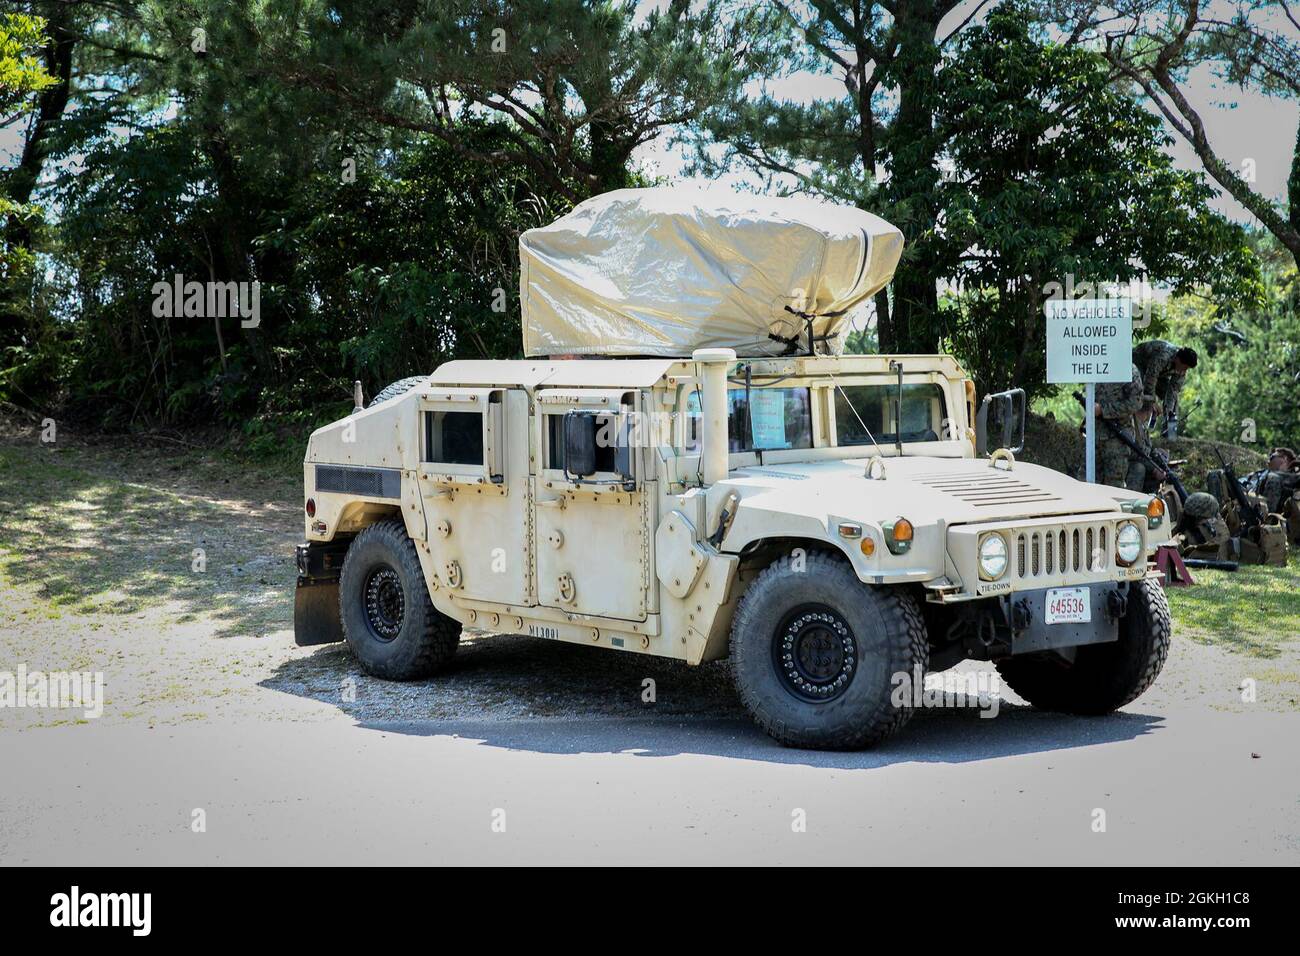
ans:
(1116, 464)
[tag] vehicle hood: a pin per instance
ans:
(924, 490)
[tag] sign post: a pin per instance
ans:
(1089, 341)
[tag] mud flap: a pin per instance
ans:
(316, 613)
(316, 601)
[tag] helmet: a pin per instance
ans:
(1200, 506)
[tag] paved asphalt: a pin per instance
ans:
(1182, 788)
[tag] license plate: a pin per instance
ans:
(1069, 606)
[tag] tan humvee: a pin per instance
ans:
(831, 523)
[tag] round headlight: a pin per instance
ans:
(1128, 543)
(993, 556)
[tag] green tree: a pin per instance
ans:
(1244, 388)
(1251, 45)
(1009, 161)
(23, 77)
(874, 145)
(1057, 178)
(581, 83)
(25, 82)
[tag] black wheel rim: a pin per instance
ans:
(385, 604)
(815, 653)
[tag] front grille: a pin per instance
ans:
(1049, 552)
(366, 482)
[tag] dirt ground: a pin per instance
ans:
(170, 569)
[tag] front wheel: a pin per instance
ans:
(388, 620)
(819, 657)
(1103, 677)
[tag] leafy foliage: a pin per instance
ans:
(411, 264)
(370, 167)
(21, 75)
(1058, 177)
(1244, 388)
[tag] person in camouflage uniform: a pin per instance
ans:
(1280, 481)
(1201, 525)
(1120, 403)
(1140, 472)
(1164, 367)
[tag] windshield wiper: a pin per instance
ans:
(849, 403)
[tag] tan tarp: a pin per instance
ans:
(667, 270)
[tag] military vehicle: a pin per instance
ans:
(836, 525)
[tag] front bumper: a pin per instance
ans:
(1027, 613)
(997, 627)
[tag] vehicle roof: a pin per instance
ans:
(644, 372)
(531, 373)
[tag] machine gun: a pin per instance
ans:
(1154, 459)
(1249, 516)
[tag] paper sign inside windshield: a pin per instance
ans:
(767, 414)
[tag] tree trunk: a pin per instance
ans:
(50, 104)
(231, 255)
(884, 324)
(1293, 193)
(914, 175)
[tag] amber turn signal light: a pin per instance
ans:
(898, 535)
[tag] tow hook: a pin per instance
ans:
(1116, 605)
(1020, 616)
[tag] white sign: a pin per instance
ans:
(1089, 340)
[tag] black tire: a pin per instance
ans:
(1103, 677)
(885, 637)
(400, 387)
(388, 620)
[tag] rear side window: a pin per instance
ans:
(606, 428)
(453, 437)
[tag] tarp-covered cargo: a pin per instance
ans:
(668, 270)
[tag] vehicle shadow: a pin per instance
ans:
(528, 694)
(933, 736)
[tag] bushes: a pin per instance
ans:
(410, 265)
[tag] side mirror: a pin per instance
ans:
(579, 443)
(1002, 418)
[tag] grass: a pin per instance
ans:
(77, 538)
(1254, 610)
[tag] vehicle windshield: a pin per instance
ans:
(781, 417)
(922, 414)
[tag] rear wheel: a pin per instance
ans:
(1103, 677)
(388, 620)
(817, 654)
